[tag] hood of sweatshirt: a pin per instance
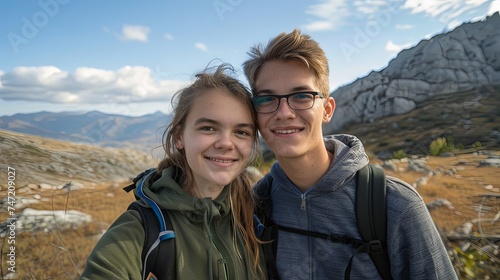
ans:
(168, 194)
(349, 157)
(165, 191)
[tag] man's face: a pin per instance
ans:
(291, 133)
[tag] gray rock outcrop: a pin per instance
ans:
(461, 60)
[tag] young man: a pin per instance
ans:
(314, 178)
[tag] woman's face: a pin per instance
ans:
(218, 139)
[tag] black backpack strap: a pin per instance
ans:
(330, 237)
(270, 236)
(262, 198)
(158, 253)
(158, 258)
(371, 217)
(265, 228)
(137, 178)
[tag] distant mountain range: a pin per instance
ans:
(143, 133)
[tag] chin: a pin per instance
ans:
(285, 152)
(223, 181)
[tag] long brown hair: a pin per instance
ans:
(241, 199)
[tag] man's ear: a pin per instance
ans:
(329, 109)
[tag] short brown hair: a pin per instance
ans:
(289, 46)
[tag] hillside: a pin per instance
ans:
(38, 160)
(94, 127)
(467, 118)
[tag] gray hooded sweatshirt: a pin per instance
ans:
(415, 247)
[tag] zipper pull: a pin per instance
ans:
(303, 203)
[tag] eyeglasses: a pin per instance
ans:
(297, 101)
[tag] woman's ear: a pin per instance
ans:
(179, 143)
(329, 109)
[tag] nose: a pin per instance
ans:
(224, 141)
(284, 110)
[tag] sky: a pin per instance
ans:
(129, 57)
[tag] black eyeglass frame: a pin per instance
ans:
(279, 97)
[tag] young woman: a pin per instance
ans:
(202, 184)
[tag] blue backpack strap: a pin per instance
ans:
(371, 217)
(158, 253)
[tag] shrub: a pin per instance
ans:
(477, 144)
(399, 154)
(440, 145)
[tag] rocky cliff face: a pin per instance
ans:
(463, 59)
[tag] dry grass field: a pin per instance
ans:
(62, 255)
(463, 190)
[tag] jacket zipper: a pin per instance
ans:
(303, 202)
(222, 262)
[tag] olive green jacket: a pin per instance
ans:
(206, 244)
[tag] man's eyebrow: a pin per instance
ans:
(217, 123)
(294, 89)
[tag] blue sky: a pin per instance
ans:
(129, 57)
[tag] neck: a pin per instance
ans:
(305, 171)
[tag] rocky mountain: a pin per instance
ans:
(462, 60)
(44, 162)
(108, 130)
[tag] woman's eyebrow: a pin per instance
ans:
(218, 123)
(207, 120)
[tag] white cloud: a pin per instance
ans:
(129, 84)
(135, 32)
(404, 26)
(494, 7)
(446, 9)
(392, 47)
(369, 7)
(168, 37)
(330, 14)
(319, 25)
(201, 47)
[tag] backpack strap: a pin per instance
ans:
(158, 253)
(159, 264)
(371, 216)
(265, 229)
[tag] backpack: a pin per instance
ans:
(370, 216)
(158, 252)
